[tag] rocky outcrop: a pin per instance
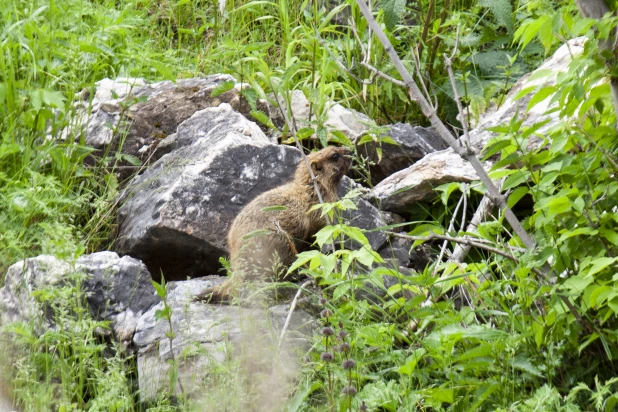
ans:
(416, 183)
(518, 98)
(118, 290)
(175, 216)
(134, 116)
(206, 335)
(407, 145)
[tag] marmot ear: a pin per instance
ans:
(316, 166)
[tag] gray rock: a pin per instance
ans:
(130, 116)
(350, 122)
(413, 143)
(176, 215)
(366, 217)
(397, 249)
(544, 75)
(118, 290)
(416, 183)
(206, 335)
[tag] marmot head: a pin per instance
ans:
(329, 165)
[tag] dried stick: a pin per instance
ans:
(292, 307)
(464, 241)
(430, 112)
(461, 250)
(302, 152)
(451, 227)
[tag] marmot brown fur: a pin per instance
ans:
(264, 238)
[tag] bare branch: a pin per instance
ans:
(430, 112)
(292, 307)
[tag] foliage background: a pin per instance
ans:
(521, 342)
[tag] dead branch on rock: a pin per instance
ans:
(430, 112)
(292, 307)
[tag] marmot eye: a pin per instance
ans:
(335, 156)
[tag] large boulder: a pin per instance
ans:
(207, 335)
(411, 144)
(130, 115)
(118, 290)
(176, 215)
(416, 183)
(400, 191)
(518, 98)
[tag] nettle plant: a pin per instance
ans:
(571, 178)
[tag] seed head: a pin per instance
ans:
(343, 334)
(327, 357)
(349, 364)
(328, 331)
(344, 347)
(363, 407)
(326, 313)
(322, 301)
(349, 391)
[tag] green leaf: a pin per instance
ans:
(516, 195)
(558, 204)
(303, 258)
(393, 10)
(516, 179)
(324, 235)
(579, 231)
(341, 290)
(526, 366)
(263, 118)
(578, 283)
(163, 70)
(610, 235)
(222, 88)
(159, 288)
(304, 133)
(274, 208)
(53, 99)
(322, 134)
(502, 11)
(541, 95)
(355, 233)
(599, 264)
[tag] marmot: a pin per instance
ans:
(268, 232)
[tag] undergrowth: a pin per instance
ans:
(488, 333)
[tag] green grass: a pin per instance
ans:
(508, 354)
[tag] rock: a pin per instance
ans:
(348, 121)
(299, 106)
(544, 75)
(175, 216)
(421, 256)
(416, 183)
(397, 249)
(118, 290)
(133, 116)
(366, 216)
(413, 143)
(209, 334)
